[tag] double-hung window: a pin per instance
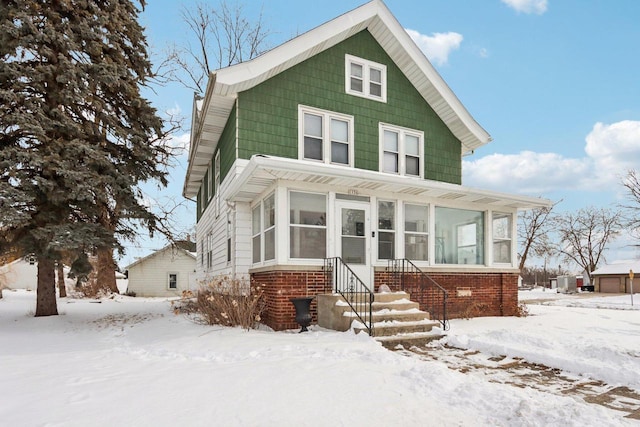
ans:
(325, 136)
(263, 230)
(216, 182)
(365, 78)
(173, 281)
(416, 232)
(307, 225)
(401, 150)
(501, 224)
(209, 182)
(386, 229)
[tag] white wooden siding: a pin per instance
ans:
(150, 277)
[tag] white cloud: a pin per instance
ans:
(438, 46)
(527, 172)
(527, 6)
(615, 146)
(483, 52)
(610, 151)
(180, 143)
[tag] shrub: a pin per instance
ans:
(230, 302)
(523, 310)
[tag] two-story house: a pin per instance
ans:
(346, 142)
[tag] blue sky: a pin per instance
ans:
(554, 82)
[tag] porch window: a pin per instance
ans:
(256, 240)
(365, 78)
(325, 136)
(459, 236)
(307, 225)
(416, 232)
(269, 223)
(173, 281)
(401, 150)
(501, 224)
(386, 230)
(263, 230)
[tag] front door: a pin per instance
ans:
(353, 243)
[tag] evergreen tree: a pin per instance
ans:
(76, 135)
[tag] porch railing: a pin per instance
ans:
(346, 283)
(432, 296)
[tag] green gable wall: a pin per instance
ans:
(227, 145)
(268, 113)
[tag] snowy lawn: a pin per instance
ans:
(132, 362)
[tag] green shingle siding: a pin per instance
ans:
(268, 118)
(227, 145)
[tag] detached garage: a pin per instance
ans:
(165, 273)
(614, 278)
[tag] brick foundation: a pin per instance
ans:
(279, 286)
(469, 294)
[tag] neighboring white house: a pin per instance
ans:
(23, 274)
(164, 273)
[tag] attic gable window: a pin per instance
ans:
(365, 78)
(401, 150)
(325, 136)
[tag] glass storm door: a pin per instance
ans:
(354, 238)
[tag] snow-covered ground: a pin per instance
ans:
(132, 362)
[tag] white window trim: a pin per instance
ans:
(216, 188)
(257, 233)
(169, 274)
(394, 230)
(209, 181)
(402, 132)
(492, 215)
(290, 259)
(366, 69)
(326, 134)
(262, 231)
(417, 233)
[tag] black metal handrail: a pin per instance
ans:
(352, 289)
(432, 296)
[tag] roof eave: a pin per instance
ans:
(262, 171)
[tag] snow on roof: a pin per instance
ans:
(618, 268)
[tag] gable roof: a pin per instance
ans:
(225, 84)
(177, 247)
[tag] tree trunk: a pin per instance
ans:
(62, 288)
(46, 295)
(106, 275)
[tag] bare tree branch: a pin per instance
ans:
(223, 37)
(533, 233)
(584, 236)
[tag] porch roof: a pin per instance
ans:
(262, 171)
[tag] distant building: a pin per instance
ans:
(164, 273)
(614, 278)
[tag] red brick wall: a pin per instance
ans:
(469, 294)
(279, 286)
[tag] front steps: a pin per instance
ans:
(396, 319)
